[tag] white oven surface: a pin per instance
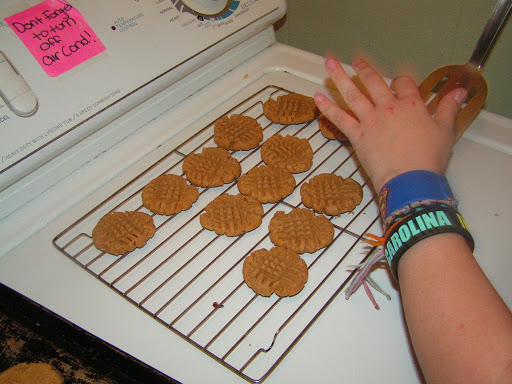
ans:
(148, 46)
(350, 341)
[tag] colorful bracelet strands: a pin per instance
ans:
(413, 206)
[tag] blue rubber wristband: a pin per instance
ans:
(410, 187)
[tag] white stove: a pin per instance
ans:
(169, 69)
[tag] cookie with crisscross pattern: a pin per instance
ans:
(212, 167)
(120, 232)
(329, 130)
(169, 194)
(289, 152)
(292, 108)
(237, 132)
(232, 215)
(267, 184)
(331, 194)
(301, 230)
(278, 270)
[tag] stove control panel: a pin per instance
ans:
(14, 90)
(207, 8)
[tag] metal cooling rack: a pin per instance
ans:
(190, 279)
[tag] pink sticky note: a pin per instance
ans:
(57, 35)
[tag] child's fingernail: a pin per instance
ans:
(319, 97)
(357, 61)
(460, 95)
(330, 63)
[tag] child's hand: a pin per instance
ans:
(393, 132)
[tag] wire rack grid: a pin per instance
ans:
(190, 279)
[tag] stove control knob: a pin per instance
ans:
(208, 8)
(15, 91)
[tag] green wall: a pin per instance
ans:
(403, 36)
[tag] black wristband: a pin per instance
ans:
(431, 220)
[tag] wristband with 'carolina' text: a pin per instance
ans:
(431, 220)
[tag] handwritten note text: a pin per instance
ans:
(57, 35)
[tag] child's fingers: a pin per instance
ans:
(343, 120)
(355, 99)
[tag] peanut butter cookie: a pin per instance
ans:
(278, 270)
(168, 195)
(301, 230)
(292, 108)
(237, 132)
(212, 167)
(232, 215)
(120, 232)
(288, 152)
(329, 130)
(331, 194)
(267, 184)
(31, 373)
